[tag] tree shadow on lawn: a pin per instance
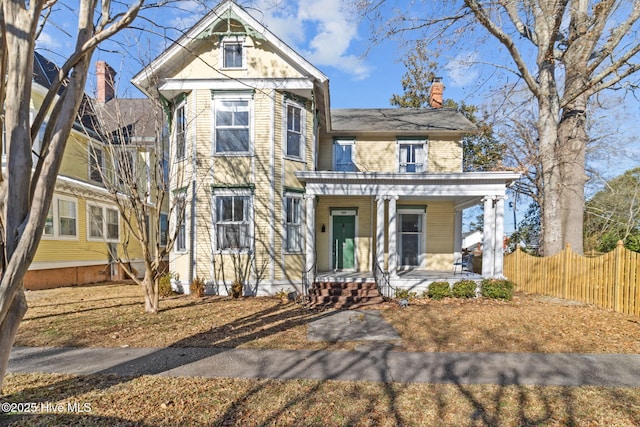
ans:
(487, 408)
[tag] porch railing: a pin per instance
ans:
(308, 278)
(382, 280)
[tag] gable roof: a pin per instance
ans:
(227, 9)
(399, 120)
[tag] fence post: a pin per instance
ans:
(618, 276)
(566, 259)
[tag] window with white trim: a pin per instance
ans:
(232, 126)
(233, 219)
(96, 163)
(164, 229)
(104, 223)
(181, 218)
(295, 140)
(411, 156)
(293, 223)
(343, 155)
(67, 214)
(180, 131)
(62, 219)
(232, 54)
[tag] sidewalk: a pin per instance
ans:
(378, 364)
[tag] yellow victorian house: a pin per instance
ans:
(285, 193)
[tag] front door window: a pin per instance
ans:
(344, 232)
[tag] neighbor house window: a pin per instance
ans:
(232, 54)
(232, 222)
(411, 157)
(67, 218)
(294, 144)
(293, 224)
(181, 132)
(104, 223)
(232, 131)
(343, 155)
(96, 164)
(181, 238)
(164, 228)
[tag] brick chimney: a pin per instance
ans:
(435, 93)
(105, 76)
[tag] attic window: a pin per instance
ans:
(232, 54)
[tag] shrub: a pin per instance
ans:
(497, 288)
(464, 289)
(164, 285)
(236, 289)
(438, 290)
(197, 287)
(406, 294)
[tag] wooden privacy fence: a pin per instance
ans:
(610, 281)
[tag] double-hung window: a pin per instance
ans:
(343, 155)
(67, 218)
(62, 218)
(181, 220)
(180, 131)
(104, 223)
(164, 229)
(232, 222)
(232, 126)
(232, 51)
(411, 156)
(295, 138)
(293, 223)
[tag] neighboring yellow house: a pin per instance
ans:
(83, 231)
(283, 191)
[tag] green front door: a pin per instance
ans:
(344, 233)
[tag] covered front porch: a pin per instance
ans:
(405, 228)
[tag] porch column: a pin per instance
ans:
(457, 235)
(380, 232)
(393, 247)
(310, 240)
(499, 239)
(488, 237)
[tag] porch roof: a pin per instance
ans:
(451, 185)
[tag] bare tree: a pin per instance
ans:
(565, 51)
(132, 162)
(24, 187)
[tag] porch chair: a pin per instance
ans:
(465, 263)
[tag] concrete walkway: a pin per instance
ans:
(378, 363)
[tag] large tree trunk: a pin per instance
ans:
(150, 290)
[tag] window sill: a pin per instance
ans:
(295, 159)
(233, 154)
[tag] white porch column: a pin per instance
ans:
(457, 235)
(380, 232)
(499, 239)
(310, 241)
(488, 237)
(393, 247)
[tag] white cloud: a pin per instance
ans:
(461, 71)
(47, 42)
(319, 29)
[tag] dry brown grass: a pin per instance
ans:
(112, 315)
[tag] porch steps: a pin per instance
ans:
(344, 294)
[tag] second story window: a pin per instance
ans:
(232, 54)
(294, 132)
(411, 157)
(232, 126)
(96, 164)
(343, 155)
(181, 132)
